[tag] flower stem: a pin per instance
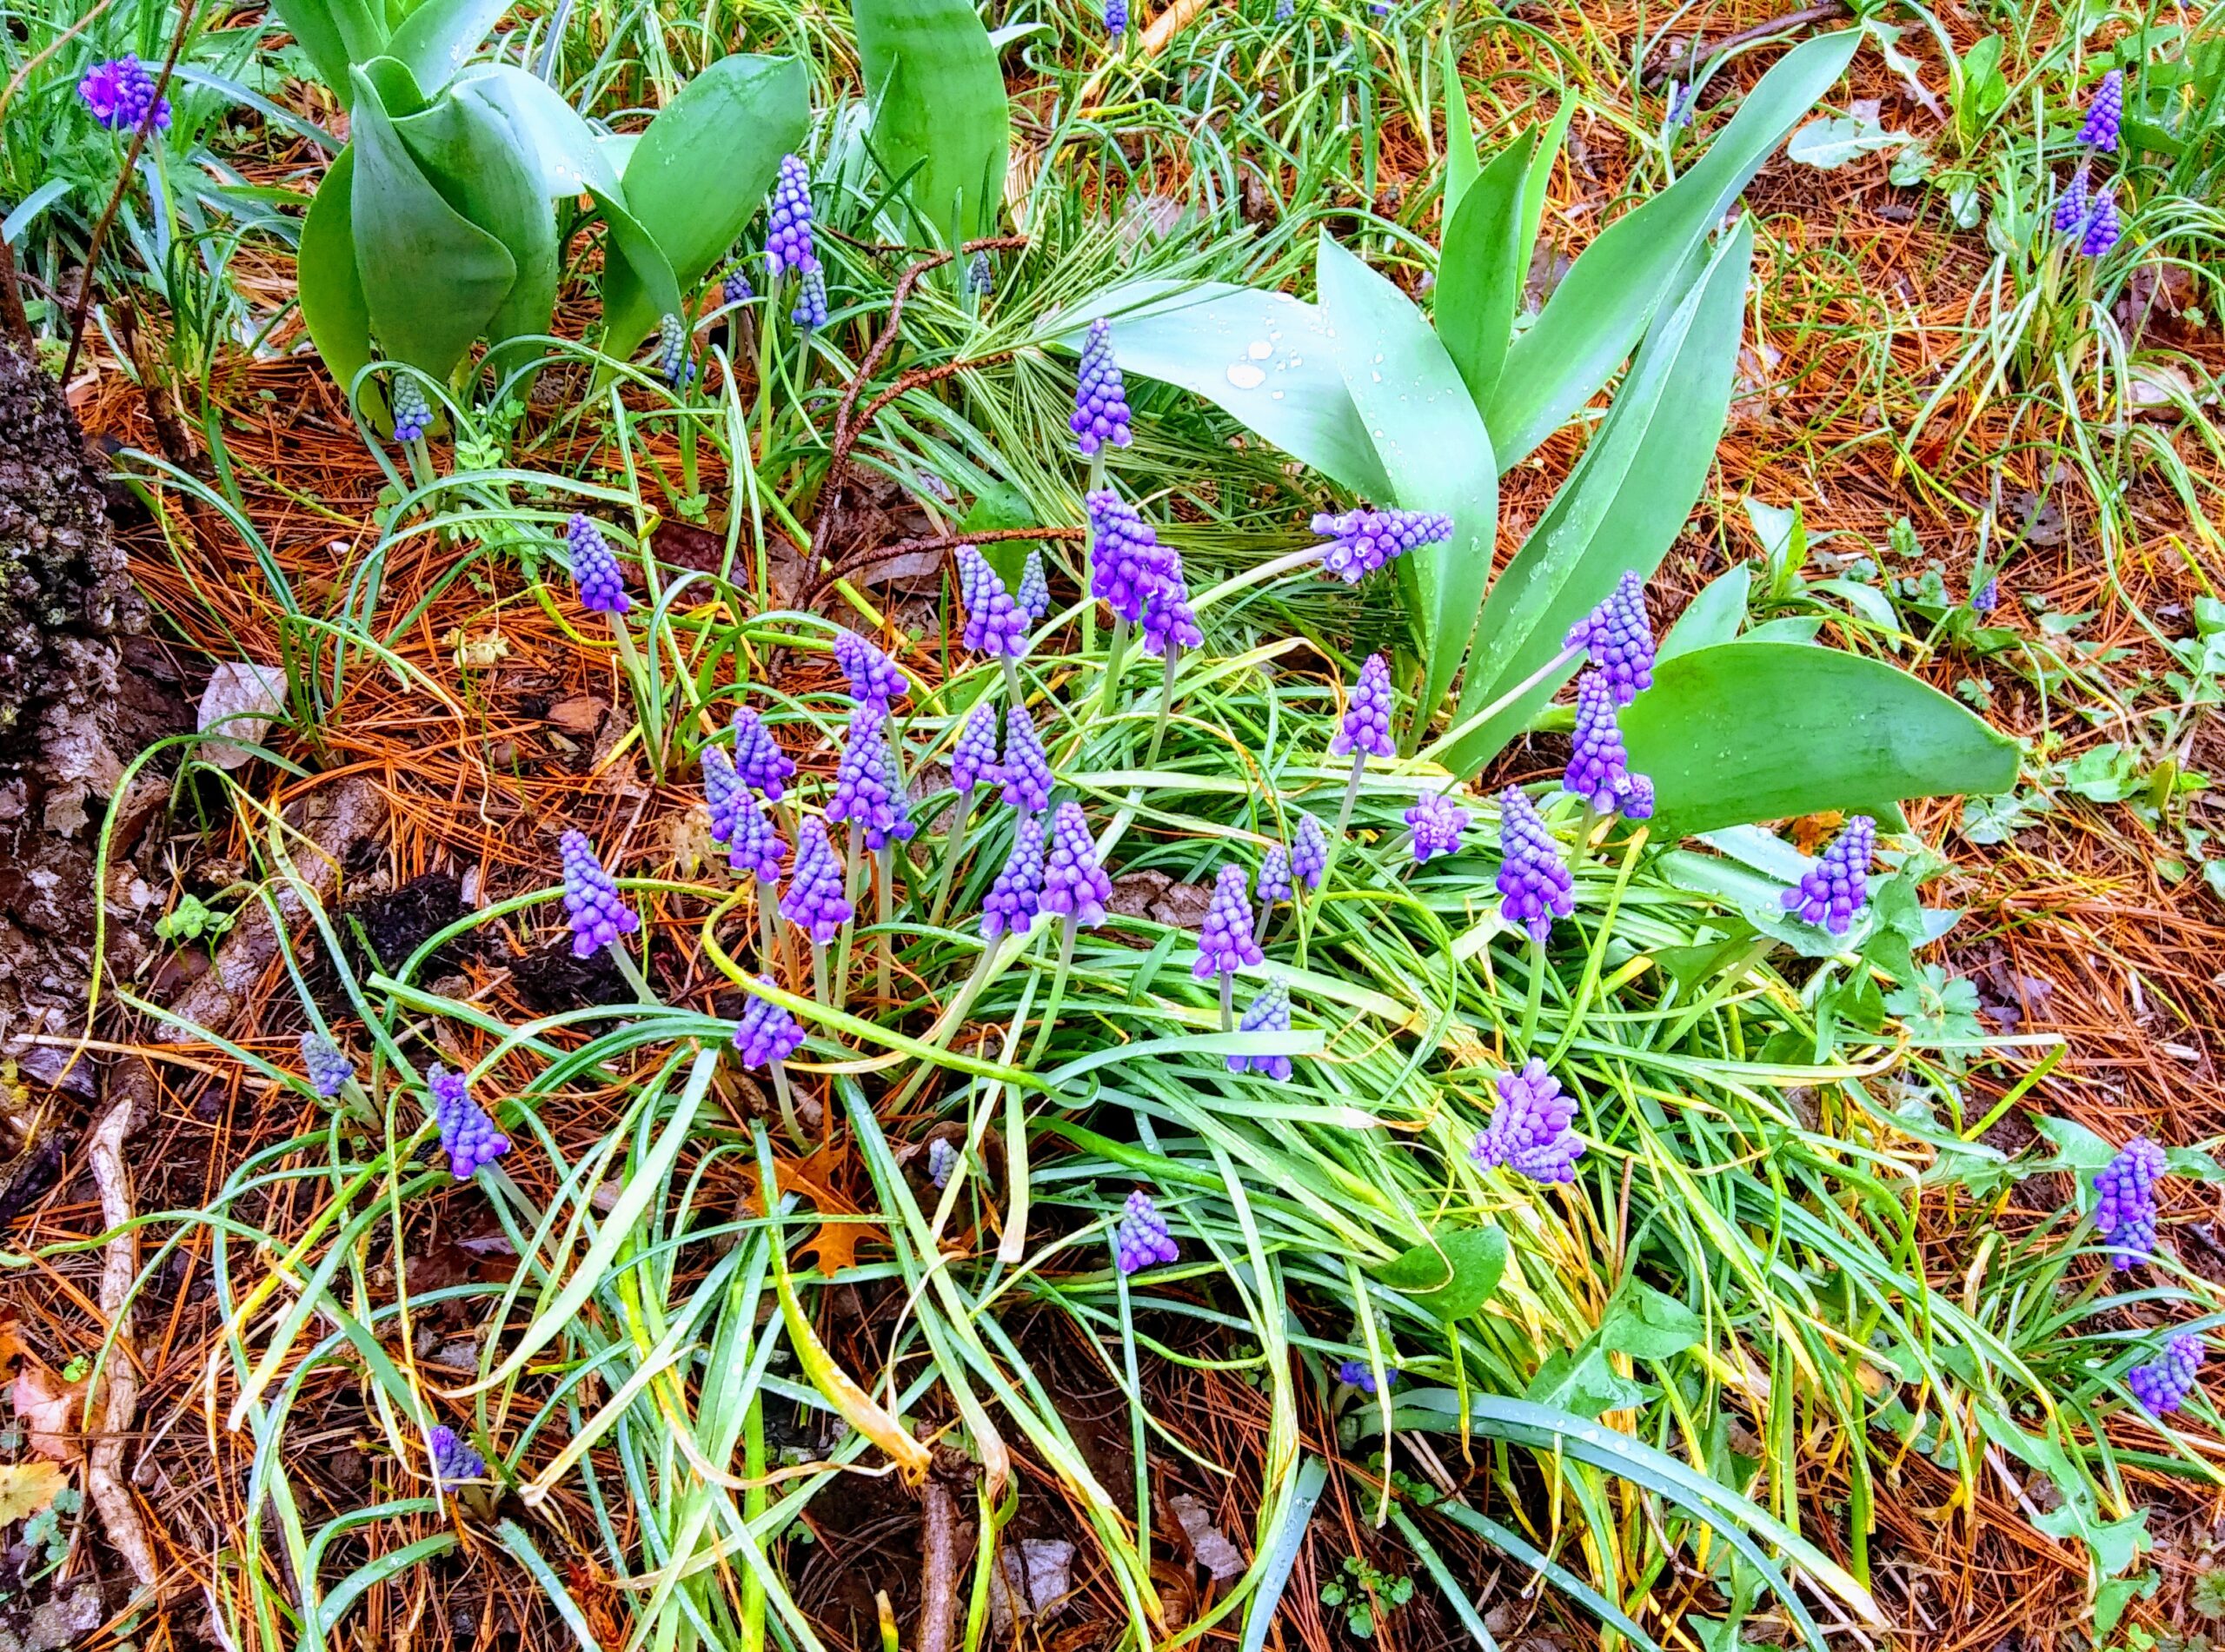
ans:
(1116, 649)
(637, 679)
(1165, 701)
(884, 954)
(643, 993)
(1012, 690)
(1536, 998)
(1227, 1002)
(1069, 930)
(819, 973)
(952, 848)
(788, 1100)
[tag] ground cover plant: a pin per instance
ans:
(1250, 823)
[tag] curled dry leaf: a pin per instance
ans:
(241, 700)
(49, 1409)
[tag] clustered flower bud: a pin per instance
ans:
(413, 414)
(2125, 1209)
(673, 365)
(815, 900)
(1366, 725)
(1358, 1373)
(1274, 884)
(758, 759)
(2164, 1386)
(974, 759)
(1529, 1131)
(1270, 1013)
(1126, 561)
(1033, 596)
(810, 310)
(453, 1460)
(1074, 885)
(1836, 887)
(756, 849)
(120, 92)
(1141, 1237)
(788, 242)
(1309, 856)
(1225, 944)
(1619, 637)
(1025, 770)
(1599, 767)
(327, 1067)
(1100, 413)
(1533, 882)
(942, 1161)
(766, 1032)
(995, 625)
(1361, 541)
(2105, 115)
(873, 677)
(594, 568)
(599, 915)
(1438, 824)
(1011, 904)
(864, 793)
(468, 1135)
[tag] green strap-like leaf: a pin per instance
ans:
(1461, 166)
(1601, 309)
(334, 35)
(1764, 730)
(939, 105)
(436, 40)
(1480, 270)
(1430, 443)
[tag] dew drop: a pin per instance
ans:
(1244, 376)
(1260, 349)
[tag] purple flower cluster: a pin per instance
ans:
(1116, 17)
(1074, 885)
(120, 92)
(1167, 618)
(1529, 1133)
(2070, 210)
(873, 677)
(468, 1135)
(995, 625)
(758, 759)
(736, 287)
(1358, 1373)
(1619, 637)
(2104, 227)
(756, 848)
(595, 567)
(1836, 887)
(787, 231)
(980, 275)
(724, 795)
(814, 900)
(598, 916)
(413, 414)
(810, 310)
(1011, 901)
(1026, 771)
(866, 793)
(1033, 597)
(1270, 1013)
(1366, 725)
(974, 759)
(1309, 856)
(1126, 561)
(766, 1032)
(1533, 882)
(1438, 823)
(673, 365)
(2164, 1386)
(942, 1161)
(454, 1459)
(1140, 1238)
(2124, 1210)
(1986, 598)
(328, 1067)
(1274, 884)
(1101, 397)
(1225, 944)
(1599, 767)
(2105, 115)
(1361, 541)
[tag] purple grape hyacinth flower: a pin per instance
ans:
(1598, 769)
(1439, 823)
(1533, 881)
(2077, 199)
(1986, 598)
(1358, 1373)
(468, 1135)
(1011, 901)
(942, 1161)
(1074, 885)
(863, 794)
(595, 567)
(758, 759)
(1618, 636)
(1529, 1133)
(2104, 227)
(810, 311)
(1270, 1013)
(1224, 946)
(995, 625)
(454, 1459)
(757, 848)
(1835, 888)
(1033, 597)
(1286, 9)
(724, 795)
(974, 759)
(673, 365)
(766, 1032)
(328, 1067)
(1026, 771)
(814, 900)
(1141, 1237)
(1274, 885)
(1309, 856)
(980, 275)
(1361, 541)
(599, 915)
(1116, 17)
(1101, 412)
(1126, 561)
(2163, 1387)
(788, 243)
(2105, 115)
(120, 92)
(735, 287)
(1366, 725)
(1167, 618)
(873, 677)
(2124, 1210)
(413, 414)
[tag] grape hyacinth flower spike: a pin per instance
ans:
(1599, 767)
(1619, 637)
(756, 849)
(328, 1070)
(1101, 414)
(1168, 622)
(673, 365)
(1286, 9)
(724, 795)
(1074, 885)
(1309, 856)
(1026, 771)
(1116, 17)
(1274, 885)
(413, 414)
(1365, 731)
(1226, 946)
(2162, 1387)
(1835, 888)
(594, 568)
(1533, 882)
(454, 1459)
(1270, 1013)
(873, 677)
(735, 287)
(814, 900)
(810, 311)
(1033, 597)
(468, 1135)
(1141, 1237)
(1986, 598)
(995, 625)
(942, 1161)
(120, 92)
(860, 796)
(758, 759)
(2104, 227)
(1358, 1373)
(1126, 561)
(599, 915)
(788, 243)
(766, 1034)
(974, 759)
(1011, 904)
(1529, 1131)
(1361, 541)
(2124, 1210)
(2105, 115)
(980, 276)
(2077, 200)
(1438, 824)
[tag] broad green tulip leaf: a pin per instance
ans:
(1481, 270)
(1600, 310)
(437, 39)
(473, 157)
(334, 35)
(399, 92)
(432, 279)
(1541, 175)
(701, 168)
(633, 249)
(1453, 1275)
(1430, 442)
(1461, 166)
(1265, 357)
(1620, 509)
(939, 114)
(1764, 730)
(1713, 616)
(561, 147)
(333, 304)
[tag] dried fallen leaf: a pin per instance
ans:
(26, 1488)
(49, 1408)
(242, 699)
(582, 714)
(1209, 1545)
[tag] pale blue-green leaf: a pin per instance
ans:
(1830, 143)
(438, 38)
(1713, 616)
(1461, 162)
(34, 203)
(634, 251)
(1289, 1537)
(1528, 1554)
(334, 35)
(1599, 311)
(1265, 357)
(1793, 627)
(331, 291)
(1481, 270)
(471, 154)
(939, 112)
(1621, 508)
(564, 149)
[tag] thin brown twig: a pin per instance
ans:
(1688, 63)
